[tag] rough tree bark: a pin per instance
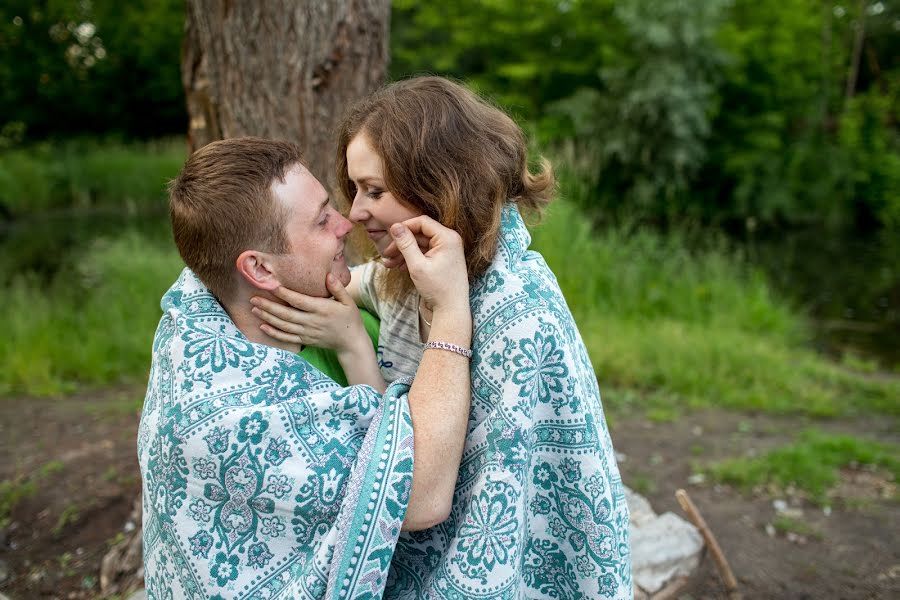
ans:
(284, 69)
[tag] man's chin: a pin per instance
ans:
(343, 276)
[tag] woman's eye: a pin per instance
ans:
(375, 194)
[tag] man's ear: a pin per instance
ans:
(256, 268)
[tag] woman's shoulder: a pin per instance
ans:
(529, 280)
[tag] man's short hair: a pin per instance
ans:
(221, 204)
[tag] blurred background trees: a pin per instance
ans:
(745, 113)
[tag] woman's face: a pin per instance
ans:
(374, 207)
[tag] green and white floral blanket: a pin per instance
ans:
(261, 477)
(539, 509)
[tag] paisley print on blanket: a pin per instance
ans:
(539, 509)
(254, 465)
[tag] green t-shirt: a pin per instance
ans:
(326, 360)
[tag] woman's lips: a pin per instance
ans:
(376, 234)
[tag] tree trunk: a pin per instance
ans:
(282, 69)
(858, 39)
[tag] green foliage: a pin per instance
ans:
(871, 150)
(645, 127)
(811, 463)
(99, 66)
(523, 54)
(88, 173)
(691, 328)
(93, 326)
(723, 111)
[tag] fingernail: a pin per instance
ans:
(254, 301)
(397, 229)
(329, 278)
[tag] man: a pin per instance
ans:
(262, 478)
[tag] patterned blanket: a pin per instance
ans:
(539, 509)
(261, 477)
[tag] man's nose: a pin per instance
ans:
(343, 226)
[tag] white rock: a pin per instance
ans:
(641, 511)
(662, 549)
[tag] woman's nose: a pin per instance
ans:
(359, 209)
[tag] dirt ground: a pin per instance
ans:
(73, 462)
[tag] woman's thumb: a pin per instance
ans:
(337, 289)
(406, 243)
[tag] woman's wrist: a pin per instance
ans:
(453, 326)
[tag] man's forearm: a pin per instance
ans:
(439, 402)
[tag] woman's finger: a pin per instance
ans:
(424, 227)
(337, 289)
(296, 299)
(286, 326)
(287, 313)
(392, 251)
(290, 338)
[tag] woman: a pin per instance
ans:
(538, 508)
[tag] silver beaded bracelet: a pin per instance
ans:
(450, 347)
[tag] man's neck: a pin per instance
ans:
(248, 323)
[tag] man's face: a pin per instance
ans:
(315, 234)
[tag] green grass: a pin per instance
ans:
(13, 491)
(811, 463)
(669, 329)
(680, 329)
(88, 173)
(89, 326)
(785, 525)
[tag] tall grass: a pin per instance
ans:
(88, 173)
(691, 328)
(668, 327)
(90, 326)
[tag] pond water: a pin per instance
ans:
(848, 285)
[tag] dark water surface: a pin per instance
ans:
(849, 285)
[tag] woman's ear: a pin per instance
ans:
(256, 268)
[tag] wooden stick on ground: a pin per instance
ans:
(724, 569)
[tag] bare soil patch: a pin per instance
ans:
(74, 462)
(79, 454)
(850, 551)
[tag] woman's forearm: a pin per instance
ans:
(360, 365)
(439, 402)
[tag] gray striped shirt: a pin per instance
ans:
(399, 341)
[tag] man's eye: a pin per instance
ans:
(324, 221)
